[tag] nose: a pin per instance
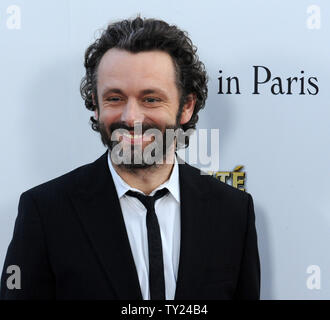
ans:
(132, 113)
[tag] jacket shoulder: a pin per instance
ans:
(67, 182)
(61, 183)
(215, 187)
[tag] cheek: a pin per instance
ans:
(108, 116)
(161, 117)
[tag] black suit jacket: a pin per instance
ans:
(70, 240)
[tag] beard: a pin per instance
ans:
(132, 156)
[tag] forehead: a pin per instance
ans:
(136, 70)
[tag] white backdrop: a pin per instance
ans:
(281, 140)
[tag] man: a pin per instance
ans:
(123, 227)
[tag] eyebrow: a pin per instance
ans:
(146, 91)
(111, 90)
(154, 90)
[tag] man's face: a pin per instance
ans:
(138, 88)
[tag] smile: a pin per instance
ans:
(137, 138)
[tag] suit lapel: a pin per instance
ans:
(98, 209)
(194, 228)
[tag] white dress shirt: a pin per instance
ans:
(168, 214)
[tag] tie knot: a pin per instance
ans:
(148, 201)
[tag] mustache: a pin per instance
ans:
(122, 125)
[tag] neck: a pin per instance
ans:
(147, 179)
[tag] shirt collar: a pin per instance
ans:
(172, 184)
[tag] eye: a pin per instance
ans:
(113, 99)
(151, 99)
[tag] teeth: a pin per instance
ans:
(137, 136)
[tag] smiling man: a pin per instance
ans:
(138, 223)
(140, 88)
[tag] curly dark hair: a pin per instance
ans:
(141, 34)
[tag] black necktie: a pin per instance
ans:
(156, 265)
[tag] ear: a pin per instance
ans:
(93, 99)
(96, 113)
(188, 108)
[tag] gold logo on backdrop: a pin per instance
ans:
(236, 177)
